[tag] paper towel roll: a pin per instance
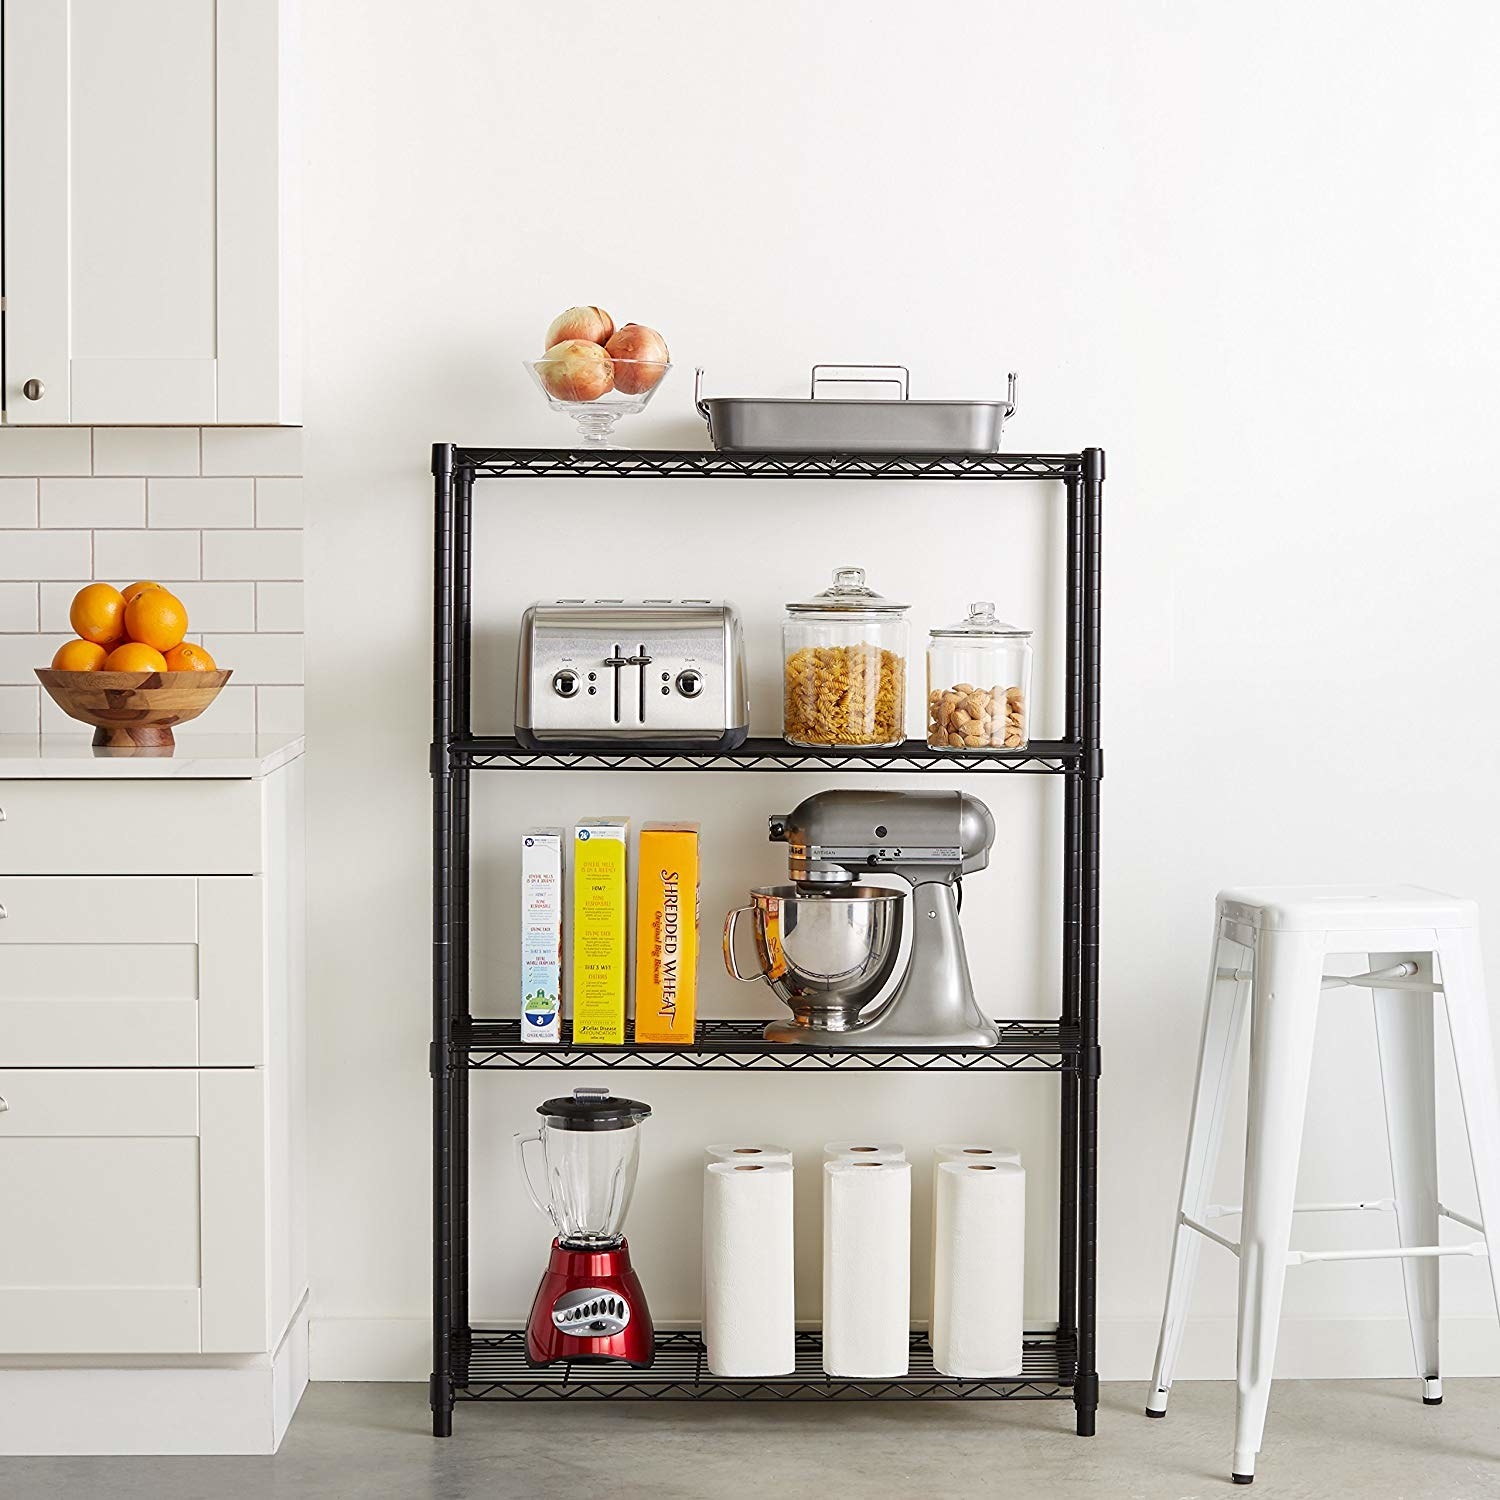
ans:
(975, 1150)
(866, 1267)
(865, 1150)
(749, 1321)
(978, 1277)
(963, 1151)
(748, 1151)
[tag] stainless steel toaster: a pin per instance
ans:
(653, 673)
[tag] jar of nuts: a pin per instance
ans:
(845, 653)
(978, 684)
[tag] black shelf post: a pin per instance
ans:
(475, 1364)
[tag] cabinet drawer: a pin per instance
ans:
(130, 828)
(132, 971)
(136, 1211)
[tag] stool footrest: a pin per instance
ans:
(1364, 1205)
(1400, 1252)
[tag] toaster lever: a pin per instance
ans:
(637, 661)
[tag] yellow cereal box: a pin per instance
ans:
(666, 933)
(600, 846)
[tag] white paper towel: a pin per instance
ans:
(975, 1151)
(866, 1267)
(865, 1150)
(979, 1210)
(749, 1321)
(971, 1151)
(750, 1151)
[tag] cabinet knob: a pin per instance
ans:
(3, 1105)
(3, 913)
(33, 390)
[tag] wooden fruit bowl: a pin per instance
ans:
(132, 709)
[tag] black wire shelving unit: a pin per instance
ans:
(488, 1364)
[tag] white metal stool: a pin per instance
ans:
(1269, 947)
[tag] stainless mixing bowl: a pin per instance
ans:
(825, 956)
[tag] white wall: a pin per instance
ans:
(1247, 248)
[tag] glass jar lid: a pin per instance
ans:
(982, 622)
(593, 1109)
(848, 595)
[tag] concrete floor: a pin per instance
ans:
(1370, 1439)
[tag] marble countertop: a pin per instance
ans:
(54, 757)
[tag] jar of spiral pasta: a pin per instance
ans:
(978, 684)
(845, 655)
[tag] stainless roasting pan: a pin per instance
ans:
(822, 424)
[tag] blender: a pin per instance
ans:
(590, 1306)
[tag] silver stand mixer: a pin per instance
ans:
(828, 946)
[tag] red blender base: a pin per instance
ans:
(584, 1299)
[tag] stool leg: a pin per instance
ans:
(1462, 974)
(1283, 1022)
(1403, 1031)
(1223, 1020)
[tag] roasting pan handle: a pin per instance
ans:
(901, 381)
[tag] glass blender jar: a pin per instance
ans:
(590, 1305)
(978, 684)
(845, 652)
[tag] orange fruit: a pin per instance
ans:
(156, 618)
(79, 656)
(189, 657)
(98, 614)
(135, 657)
(138, 588)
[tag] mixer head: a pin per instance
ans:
(835, 837)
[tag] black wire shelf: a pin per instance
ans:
(497, 1370)
(739, 1045)
(698, 463)
(503, 753)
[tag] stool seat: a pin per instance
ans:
(1270, 948)
(1344, 908)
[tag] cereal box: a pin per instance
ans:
(600, 847)
(666, 933)
(541, 935)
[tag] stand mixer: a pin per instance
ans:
(828, 946)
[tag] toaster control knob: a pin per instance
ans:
(690, 683)
(565, 683)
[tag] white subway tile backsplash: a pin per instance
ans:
(19, 710)
(278, 502)
(121, 556)
(278, 606)
(258, 658)
(21, 654)
(18, 606)
(252, 554)
(18, 505)
(252, 450)
(93, 502)
(278, 710)
(202, 502)
(146, 450)
(30, 451)
(31, 555)
(213, 514)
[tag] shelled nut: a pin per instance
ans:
(965, 717)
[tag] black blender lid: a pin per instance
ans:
(594, 1109)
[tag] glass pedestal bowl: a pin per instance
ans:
(636, 382)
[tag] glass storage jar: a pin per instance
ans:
(845, 652)
(978, 684)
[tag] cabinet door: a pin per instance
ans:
(143, 212)
(137, 1220)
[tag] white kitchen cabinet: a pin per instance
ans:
(152, 1113)
(149, 273)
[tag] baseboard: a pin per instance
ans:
(243, 1406)
(1309, 1349)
